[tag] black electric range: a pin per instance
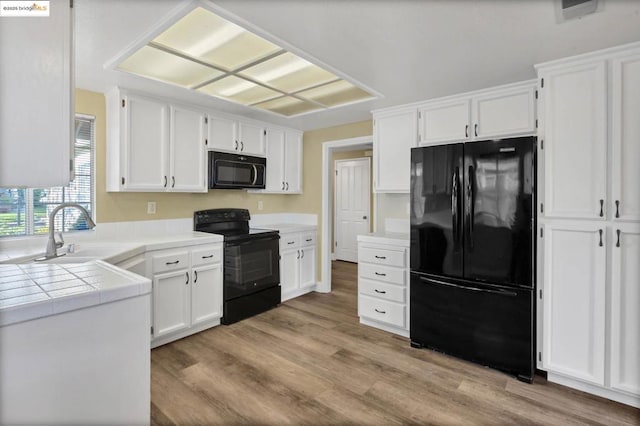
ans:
(251, 262)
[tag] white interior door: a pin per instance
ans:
(352, 206)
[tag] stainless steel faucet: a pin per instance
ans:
(52, 244)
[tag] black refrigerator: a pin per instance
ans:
(473, 252)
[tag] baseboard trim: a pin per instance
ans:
(611, 394)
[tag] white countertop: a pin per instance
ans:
(394, 238)
(35, 290)
(284, 228)
(84, 278)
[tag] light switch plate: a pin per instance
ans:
(151, 207)
(260, 205)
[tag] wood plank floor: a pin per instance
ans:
(309, 361)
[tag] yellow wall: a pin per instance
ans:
(120, 207)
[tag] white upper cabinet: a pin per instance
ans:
(491, 113)
(394, 134)
(187, 151)
(293, 161)
(154, 145)
(507, 112)
(251, 138)
(573, 138)
(233, 135)
(444, 121)
(625, 126)
(284, 161)
(275, 161)
(222, 133)
(144, 144)
(574, 300)
(37, 99)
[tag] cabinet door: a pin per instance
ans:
(145, 144)
(289, 271)
(293, 162)
(171, 301)
(625, 315)
(222, 134)
(275, 161)
(187, 151)
(509, 112)
(574, 300)
(307, 266)
(445, 122)
(206, 294)
(37, 99)
(574, 130)
(251, 139)
(625, 172)
(393, 137)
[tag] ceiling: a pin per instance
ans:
(406, 50)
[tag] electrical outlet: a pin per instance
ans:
(260, 205)
(151, 207)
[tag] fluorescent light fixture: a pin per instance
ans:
(238, 90)
(204, 52)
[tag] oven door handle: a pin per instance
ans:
(254, 240)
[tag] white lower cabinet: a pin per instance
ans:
(187, 291)
(298, 263)
(591, 321)
(383, 286)
(625, 308)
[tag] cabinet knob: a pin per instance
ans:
(364, 217)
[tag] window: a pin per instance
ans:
(26, 211)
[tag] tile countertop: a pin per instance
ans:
(36, 290)
(30, 290)
(392, 238)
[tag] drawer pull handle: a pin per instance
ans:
(380, 291)
(381, 257)
(309, 239)
(207, 257)
(380, 274)
(380, 312)
(291, 242)
(175, 262)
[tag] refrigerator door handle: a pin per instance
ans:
(482, 290)
(454, 208)
(470, 213)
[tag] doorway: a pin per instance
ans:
(328, 148)
(352, 205)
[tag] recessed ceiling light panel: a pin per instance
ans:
(159, 65)
(205, 52)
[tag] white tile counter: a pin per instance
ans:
(388, 238)
(36, 290)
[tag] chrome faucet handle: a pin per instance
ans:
(61, 242)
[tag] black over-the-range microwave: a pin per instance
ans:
(236, 171)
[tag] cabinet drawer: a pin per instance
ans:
(308, 239)
(170, 261)
(206, 256)
(289, 241)
(391, 292)
(382, 273)
(381, 256)
(382, 310)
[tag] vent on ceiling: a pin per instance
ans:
(572, 9)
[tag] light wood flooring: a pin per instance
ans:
(309, 361)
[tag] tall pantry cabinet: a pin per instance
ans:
(589, 221)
